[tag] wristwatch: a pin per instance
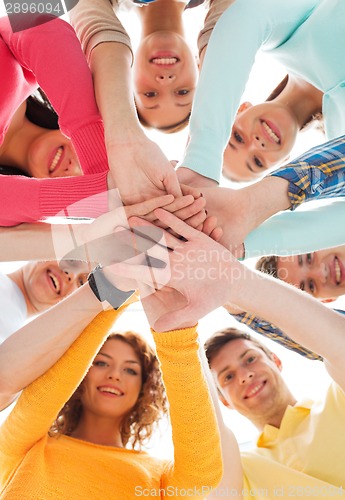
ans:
(105, 291)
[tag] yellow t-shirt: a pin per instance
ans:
(305, 457)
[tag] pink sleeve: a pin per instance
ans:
(26, 199)
(50, 56)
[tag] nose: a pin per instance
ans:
(70, 276)
(114, 373)
(73, 169)
(245, 376)
(260, 143)
(165, 78)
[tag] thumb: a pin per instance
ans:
(171, 184)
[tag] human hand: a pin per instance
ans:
(140, 169)
(200, 275)
(104, 240)
(230, 206)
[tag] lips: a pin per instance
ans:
(338, 270)
(164, 58)
(271, 132)
(54, 281)
(56, 160)
(254, 389)
(110, 391)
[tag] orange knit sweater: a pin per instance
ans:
(36, 466)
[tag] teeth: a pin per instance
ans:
(111, 390)
(56, 159)
(270, 132)
(337, 271)
(55, 282)
(164, 60)
(255, 390)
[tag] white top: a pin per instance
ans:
(13, 312)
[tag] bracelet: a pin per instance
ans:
(105, 291)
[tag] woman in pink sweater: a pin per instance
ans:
(29, 59)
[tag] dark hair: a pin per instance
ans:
(268, 265)
(40, 112)
(219, 339)
(167, 129)
(151, 405)
(315, 119)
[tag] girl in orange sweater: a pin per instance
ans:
(83, 455)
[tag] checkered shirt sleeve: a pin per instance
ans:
(317, 174)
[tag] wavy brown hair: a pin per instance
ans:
(139, 424)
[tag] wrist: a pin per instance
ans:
(104, 290)
(238, 279)
(266, 198)
(130, 133)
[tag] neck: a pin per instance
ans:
(275, 416)
(18, 278)
(302, 98)
(162, 15)
(99, 430)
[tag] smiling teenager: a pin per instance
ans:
(34, 146)
(321, 273)
(29, 144)
(262, 136)
(33, 288)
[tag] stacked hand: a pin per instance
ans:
(194, 282)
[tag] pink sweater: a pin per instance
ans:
(50, 56)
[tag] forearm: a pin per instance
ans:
(38, 241)
(197, 454)
(317, 174)
(111, 68)
(232, 465)
(270, 331)
(33, 349)
(26, 199)
(293, 233)
(297, 314)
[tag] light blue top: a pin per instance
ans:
(307, 36)
(299, 232)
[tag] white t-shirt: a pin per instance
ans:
(13, 312)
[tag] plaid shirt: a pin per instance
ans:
(317, 174)
(272, 332)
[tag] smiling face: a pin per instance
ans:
(262, 137)
(165, 76)
(250, 381)
(112, 386)
(51, 154)
(321, 273)
(45, 283)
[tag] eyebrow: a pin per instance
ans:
(177, 105)
(110, 357)
(226, 368)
